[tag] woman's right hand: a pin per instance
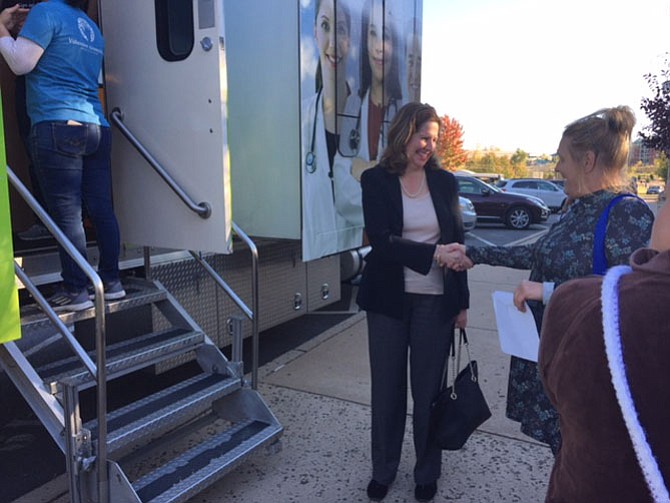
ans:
(453, 256)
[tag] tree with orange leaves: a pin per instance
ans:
(450, 144)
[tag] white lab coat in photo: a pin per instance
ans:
(332, 209)
(359, 108)
(347, 188)
(319, 228)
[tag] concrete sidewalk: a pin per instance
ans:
(320, 393)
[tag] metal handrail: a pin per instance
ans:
(55, 320)
(251, 314)
(203, 209)
(99, 372)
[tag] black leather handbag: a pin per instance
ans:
(461, 408)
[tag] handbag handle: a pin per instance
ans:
(455, 356)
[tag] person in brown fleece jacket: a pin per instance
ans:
(596, 461)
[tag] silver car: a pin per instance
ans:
(552, 195)
(468, 213)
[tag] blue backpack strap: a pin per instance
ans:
(599, 257)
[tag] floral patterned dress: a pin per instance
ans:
(564, 253)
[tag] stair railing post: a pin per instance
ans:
(100, 340)
(78, 447)
(254, 303)
(147, 262)
(235, 331)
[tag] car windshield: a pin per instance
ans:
(492, 187)
(472, 185)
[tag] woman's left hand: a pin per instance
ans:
(527, 290)
(461, 320)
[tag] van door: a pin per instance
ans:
(165, 71)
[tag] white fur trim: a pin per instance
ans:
(614, 351)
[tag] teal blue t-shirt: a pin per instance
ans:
(64, 83)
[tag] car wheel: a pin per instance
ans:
(518, 218)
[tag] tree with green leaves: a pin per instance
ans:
(450, 145)
(657, 108)
(661, 164)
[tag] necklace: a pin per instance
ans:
(418, 191)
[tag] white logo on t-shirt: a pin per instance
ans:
(85, 29)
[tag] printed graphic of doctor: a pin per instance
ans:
(320, 128)
(380, 92)
(413, 60)
(368, 113)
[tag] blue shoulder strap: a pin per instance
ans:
(599, 258)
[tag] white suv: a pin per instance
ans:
(552, 195)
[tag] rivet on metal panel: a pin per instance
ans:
(297, 301)
(325, 291)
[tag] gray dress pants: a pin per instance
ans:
(424, 334)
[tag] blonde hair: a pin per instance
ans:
(607, 134)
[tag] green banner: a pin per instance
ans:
(10, 321)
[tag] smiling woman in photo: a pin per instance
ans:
(320, 128)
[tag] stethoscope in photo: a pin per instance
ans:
(310, 158)
(353, 139)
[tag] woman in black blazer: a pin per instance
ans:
(411, 209)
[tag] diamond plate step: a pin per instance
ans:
(165, 410)
(199, 467)
(139, 292)
(124, 357)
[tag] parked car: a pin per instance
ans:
(559, 183)
(517, 211)
(552, 195)
(468, 213)
(653, 189)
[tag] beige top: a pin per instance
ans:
(420, 224)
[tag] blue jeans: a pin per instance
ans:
(74, 167)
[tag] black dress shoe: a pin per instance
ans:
(377, 491)
(425, 492)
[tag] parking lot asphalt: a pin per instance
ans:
(487, 234)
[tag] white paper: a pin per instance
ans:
(516, 330)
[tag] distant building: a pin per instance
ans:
(639, 152)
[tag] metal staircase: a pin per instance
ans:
(165, 445)
(216, 401)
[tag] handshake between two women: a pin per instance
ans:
(453, 256)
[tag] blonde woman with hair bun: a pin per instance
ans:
(592, 158)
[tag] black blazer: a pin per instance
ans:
(383, 284)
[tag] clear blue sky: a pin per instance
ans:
(515, 72)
